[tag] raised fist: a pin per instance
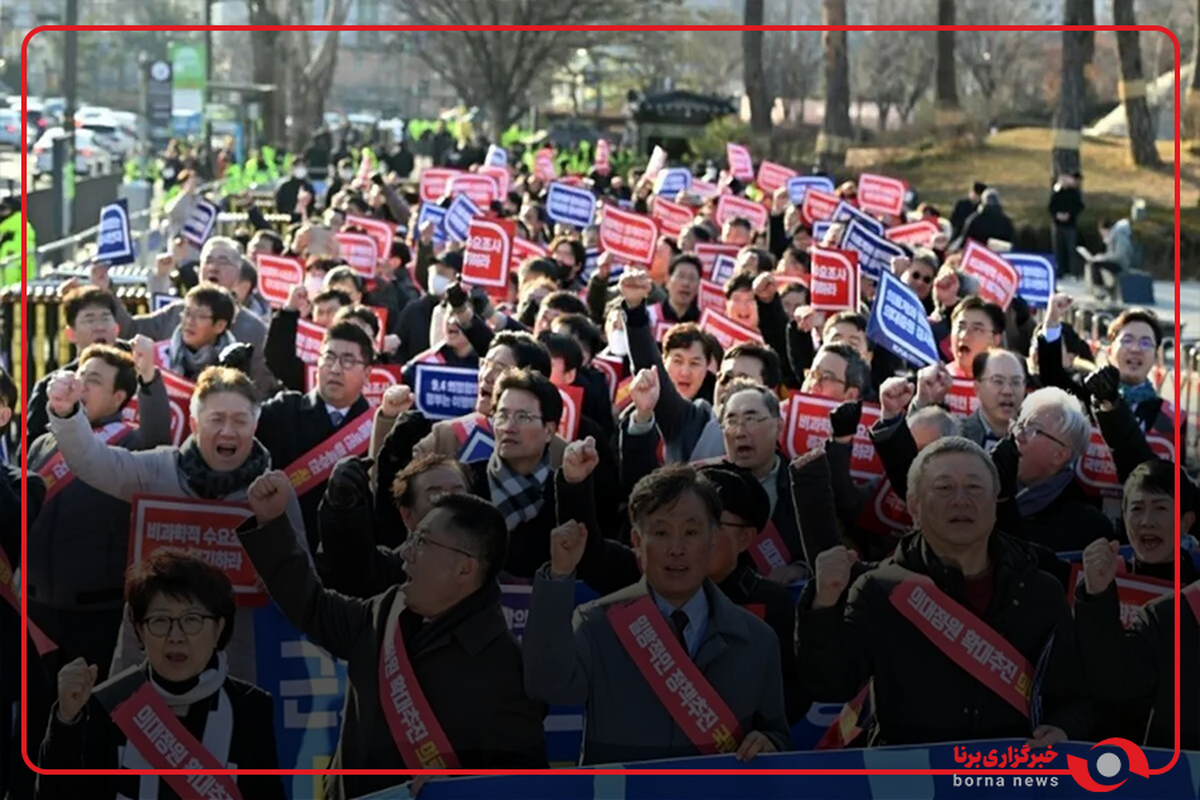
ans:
(933, 383)
(63, 394)
(1059, 304)
(894, 396)
(143, 357)
(1104, 385)
(567, 543)
(298, 300)
(269, 496)
(397, 400)
(579, 459)
(807, 318)
(644, 393)
(349, 483)
(764, 288)
(832, 575)
(1099, 565)
(163, 264)
(634, 286)
(75, 682)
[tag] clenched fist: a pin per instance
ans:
(933, 383)
(1059, 304)
(579, 459)
(397, 400)
(1100, 565)
(269, 496)
(644, 392)
(75, 682)
(63, 394)
(567, 543)
(807, 318)
(634, 286)
(298, 300)
(894, 396)
(143, 357)
(833, 575)
(765, 288)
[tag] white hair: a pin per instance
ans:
(944, 446)
(937, 418)
(1073, 426)
(221, 242)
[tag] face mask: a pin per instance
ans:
(618, 343)
(300, 172)
(314, 285)
(438, 284)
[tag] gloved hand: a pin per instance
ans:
(349, 483)
(1104, 385)
(1006, 457)
(456, 295)
(237, 356)
(845, 418)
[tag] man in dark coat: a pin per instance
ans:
(957, 590)
(989, 222)
(444, 627)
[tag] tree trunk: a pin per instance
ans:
(835, 131)
(1133, 89)
(1068, 119)
(1191, 119)
(753, 74)
(947, 85)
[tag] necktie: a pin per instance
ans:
(336, 418)
(680, 620)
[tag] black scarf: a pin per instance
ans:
(212, 485)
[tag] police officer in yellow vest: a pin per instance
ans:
(10, 243)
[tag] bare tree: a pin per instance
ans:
(1068, 119)
(793, 63)
(1192, 101)
(499, 70)
(752, 69)
(835, 132)
(1138, 119)
(894, 70)
(947, 69)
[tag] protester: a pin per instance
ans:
(1066, 204)
(1000, 385)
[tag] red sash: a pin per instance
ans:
(768, 550)
(165, 743)
(1192, 595)
(687, 695)
(57, 474)
(41, 641)
(415, 730)
(313, 468)
(848, 724)
(1133, 591)
(980, 651)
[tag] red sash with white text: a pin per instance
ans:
(313, 468)
(768, 550)
(979, 650)
(57, 474)
(687, 695)
(41, 641)
(415, 730)
(160, 737)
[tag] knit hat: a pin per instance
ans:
(740, 493)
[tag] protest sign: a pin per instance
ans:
(543, 165)
(523, 249)
(629, 235)
(360, 252)
(435, 214)
(818, 205)
(497, 156)
(726, 331)
(1133, 592)
(962, 399)
(614, 370)
(708, 254)
(658, 160)
(206, 529)
(309, 336)
(881, 194)
(488, 255)
(672, 181)
(845, 212)
(741, 166)
(671, 217)
(833, 282)
(808, 428)
(500, 174)
(798, 187)
(570, 205)
(1096, 470)
(772, 176)
(706, 189)
(898, 322)
(1037, 274)
(711, 295)
(380, 230)
(730, 207)
(200, 222)
(434, 182)
(875, 253)
(482, 189)
(276, 277)
(722, 270)
(997, 278)
(572, 412)
(114, 243)
(913, 234)
(458, 217)
(442, 392)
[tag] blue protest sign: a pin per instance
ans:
(671, 182)
(847, 213)
(589, 266)
(437, 215)
(898, 322)
(497, 156)
(820, 228)
(723, 267)
(159, 300)
(1037, 277)
(445, 392)
(458, 217)
(570, 205)
(798, 186)
(200, 223)
(114, 241)
(875, 253)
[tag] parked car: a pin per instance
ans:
(110, 133)
(90, 157)
(12, 128)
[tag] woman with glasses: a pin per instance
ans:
(178, 709)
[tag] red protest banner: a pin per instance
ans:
(712, 295)
(726, 331)
(276, 277)
(501, 176)
(729, 207)
(523, 249)
(741, 166)
(961, 399)
(881, 194)
(360, 252)
(1097, 472)
(808, 427)
(380, 379)
(818, 206)
(708, 254)
(997, 278)
(204, 528)
(481, 189)
(434, 182)
(772, 176)
(380, 230)
(628, 236)
(914, 234)
(833, 283)
(309, 336)
(1133, 592)
(572, 412)
(543, 165)
(614, 370)
(488, 254)
(671, 217)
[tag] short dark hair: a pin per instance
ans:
(401, 251)
(977, 303)
(216, 298)
(528, 352)
(323, 263)
(858, 374)
(685, 334)
(740, 222)
(83, 297)
(766, 259)
(1157, 476)
(343, 273)
(665, 485)
(180, 576)
(248, 273)
(796, 288)
(271, 236)
(344, 330)
(771, 369)
(475, 519)
(126, 379)
(853, 317)
(584, 331)
(565, 302)
(342, 298)
(980, 362)
(402, 484)
(563, 346)
(685, 258)
(1136, 315)
(979, 187)
(739, 282)
(702, 233)
(538, 267)
(527, 380)
(577, 248)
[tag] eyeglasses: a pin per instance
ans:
(191, 315)
(518, 418)
(416, 543)
(822, 377)
(190, 624)
(972, 327)
(1144, 343)
(998, 382)
(346, 361)
(1023, 431)
(744, 421)
(920, 276)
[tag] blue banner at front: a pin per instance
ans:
(798, 187)
(847, 213)
(875, 253)
(458, 217)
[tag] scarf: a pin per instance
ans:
(179, 694)
(1032, 499)
(209, 484)
(1135, 395)
(519, 497)
(188, 363)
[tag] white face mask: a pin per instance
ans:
(618, 343)
(314, 285)
(300, 172)
(438, 284)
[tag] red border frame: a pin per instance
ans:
(24, 318)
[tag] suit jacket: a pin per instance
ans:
(573, 656)
(467, 663)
